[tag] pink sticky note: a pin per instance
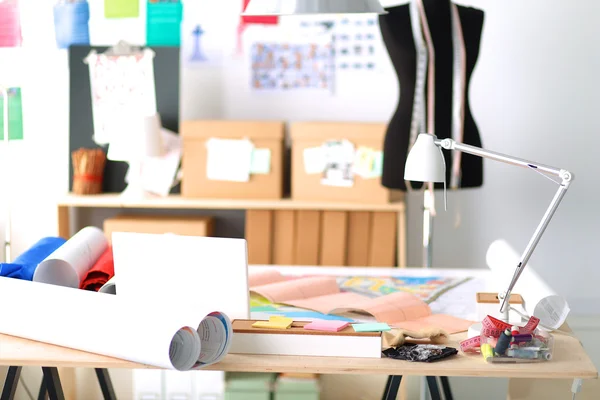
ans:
(328, 326)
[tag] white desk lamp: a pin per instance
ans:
(7, 226)
(304, 7)
(425, 163)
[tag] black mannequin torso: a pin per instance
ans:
(398, 37)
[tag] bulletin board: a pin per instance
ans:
(81, 122)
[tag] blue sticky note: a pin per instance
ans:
(371, 327)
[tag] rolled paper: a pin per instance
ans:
(69, 263)
(24, 266)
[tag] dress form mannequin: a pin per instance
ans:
(398, 37)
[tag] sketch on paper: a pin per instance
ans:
(283, 66)
(122, 87)
(357, 40)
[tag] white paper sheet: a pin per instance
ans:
(122, 88)
(162, 336)
(314, 160)
(70, 262)
(540, 300)
(197, 271)
(159, 173)
(229, 159)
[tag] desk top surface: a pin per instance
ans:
(570, 361)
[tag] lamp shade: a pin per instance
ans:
(425, 162)
(303, 7)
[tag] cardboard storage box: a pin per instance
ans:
(188, 226)
(263, 135)
(308, 184)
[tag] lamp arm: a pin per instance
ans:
(566, 177)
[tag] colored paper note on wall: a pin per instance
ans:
(163, 23)
(15, 115)
(10, 24)
(121, 8)
(261, 162)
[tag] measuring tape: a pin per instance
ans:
(426, 70)
(493, 327)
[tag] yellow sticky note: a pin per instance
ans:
(281, 320)
(271, 324)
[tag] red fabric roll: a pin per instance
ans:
(100, 273)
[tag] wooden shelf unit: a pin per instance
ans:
(180, 203)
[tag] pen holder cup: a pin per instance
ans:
(164, 24)
(71, 23)
(88, 171)
(10, 24)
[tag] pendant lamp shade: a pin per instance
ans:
(303, 7)
(425, 162)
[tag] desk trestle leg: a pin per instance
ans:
(52, 383)
(10, 384)
(105, 384)
(391, 387)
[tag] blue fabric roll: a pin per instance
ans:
(24, 266)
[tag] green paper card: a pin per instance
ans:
(371, 327)
(121, 8)
(15, 115)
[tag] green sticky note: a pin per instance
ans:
(261, 161)
(377, 164)
(15, 115)
(121, 8)
(371, 327)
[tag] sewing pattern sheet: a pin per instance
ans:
(123, 89)
(357, 41)
(292, 66)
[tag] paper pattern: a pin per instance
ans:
(123, 90)
(323, 295)
(229, 159)
(357, 40)
(292, 66)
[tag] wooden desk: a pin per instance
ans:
(570, 361)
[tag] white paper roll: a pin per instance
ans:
(540, 299)
(109, 287)
(151, 144)
(69, 263)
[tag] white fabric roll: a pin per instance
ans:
(70, 262)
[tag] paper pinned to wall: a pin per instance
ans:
(368, 163)
(229, 159)
(122, 88)
(339, 160)
(121, 8)
(293, 66)
(314, 160)
(15, 114)
(160, 173)
(261, 162)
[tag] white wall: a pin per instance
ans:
(535, 94)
